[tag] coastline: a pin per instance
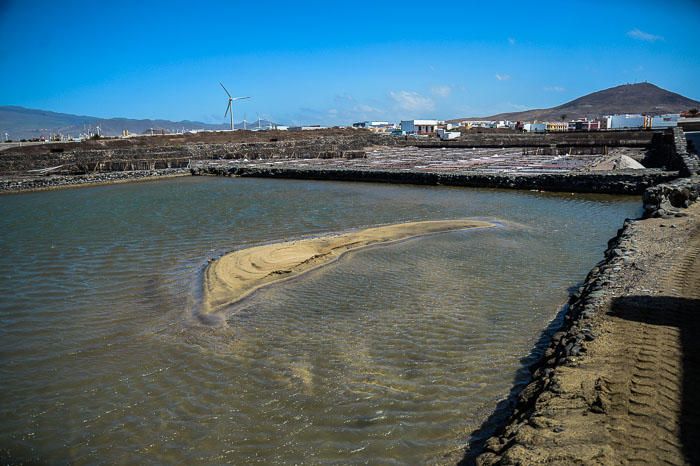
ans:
(240, 273)
(615, 383)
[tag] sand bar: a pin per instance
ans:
(239, 273)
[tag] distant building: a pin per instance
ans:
(419, 126)
(534, 127)
(375, 126)
(584, 124)
(505, 124)
(447, 135)
(626, 121)
(479, 124)
(304, 128)
(662, 121)
(557, 126)
(370, 124)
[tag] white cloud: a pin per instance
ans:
(412, 101)
(511, 41)
(366, 109)
(644, 36)
(554, 88)
(503, 77)
(441, 91)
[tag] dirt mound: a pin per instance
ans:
(617, 162)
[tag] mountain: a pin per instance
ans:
(629, 98)
(25, 123)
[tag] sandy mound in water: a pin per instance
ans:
(238, 274)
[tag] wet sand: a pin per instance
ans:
(240, 273)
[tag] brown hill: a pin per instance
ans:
(643, 98)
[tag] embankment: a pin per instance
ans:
(144, 153)
(616, 384)
(618, 182)
(45, 183)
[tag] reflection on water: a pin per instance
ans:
(390, 355)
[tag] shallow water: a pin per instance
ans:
(390, 355)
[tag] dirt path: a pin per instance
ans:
(633, 395)
(654, 337)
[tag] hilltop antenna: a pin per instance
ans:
(229, 108)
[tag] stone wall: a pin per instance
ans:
(573, 139)
(690, 165)
(618, 182)
(667, 199)
(77, 158)
(42, 183)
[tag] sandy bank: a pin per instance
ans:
(239, 273)
(618, 384)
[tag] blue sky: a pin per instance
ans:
(337, 62)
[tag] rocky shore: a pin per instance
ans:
(16, 184)
(617, 382)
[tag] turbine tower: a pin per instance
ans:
(229, 108)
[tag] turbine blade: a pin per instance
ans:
(227, 109)
(229, 95)
(241, 98)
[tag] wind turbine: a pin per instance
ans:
(229, 109)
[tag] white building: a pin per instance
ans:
(626, 121)
(447, 135)
(665, 121)
(535, 127)
(375, 126)
(419, 126)
(479, 124)
(371, 124)
(505, 124)
(305, 128)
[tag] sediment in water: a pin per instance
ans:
(238, 274)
